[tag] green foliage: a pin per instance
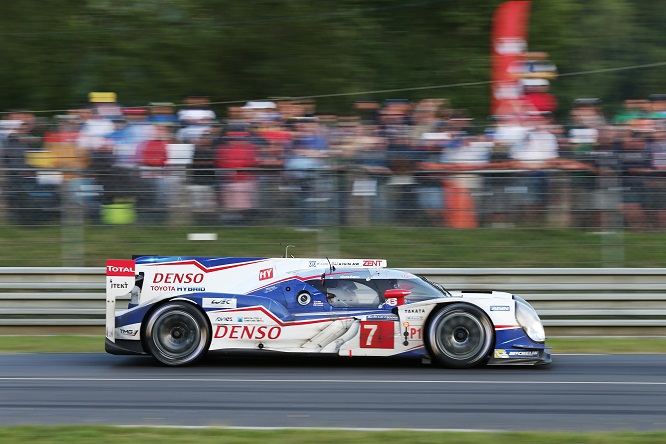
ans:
(55, 52)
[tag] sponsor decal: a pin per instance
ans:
(220, 303)
(415, 310)
(178, 278)
(190, 288)
(504, 354)
(124, 285)
(173, 288)
(349, 276)
(224, 319)
(414, 318)
(415, 333)
(119, 267)
(247, 332)
(162, 288)
(500, 354)
(392, 302)
(377, 334)
(372, 262)
(318, 304)
(265, 274)
(385, 317)
(251, 319)
(500, 308)
(127, 332)
(271, 288)
(313, 264)
(523, 354)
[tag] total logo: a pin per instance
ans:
(119, 267)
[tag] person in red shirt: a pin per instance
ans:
(237, 157)
(153, 199)
(538, 96)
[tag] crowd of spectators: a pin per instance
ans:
(397, 161)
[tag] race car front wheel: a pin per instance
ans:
(177, 334)
(459, 336)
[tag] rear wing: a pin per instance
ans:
(120, 276)
(319, 263)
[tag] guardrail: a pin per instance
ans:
(570, 301)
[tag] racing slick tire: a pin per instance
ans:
(459, 336)
(177, 334)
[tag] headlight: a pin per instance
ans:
(528, 318)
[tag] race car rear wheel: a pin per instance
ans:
(460, 336)
(177, 333)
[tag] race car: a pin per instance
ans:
(182, 307)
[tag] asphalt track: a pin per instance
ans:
(575, 393)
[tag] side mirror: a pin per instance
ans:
(396, 296)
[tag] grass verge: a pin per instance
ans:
(403, 247)
(122, 435)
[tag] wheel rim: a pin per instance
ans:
(176, 335)
(460, 335)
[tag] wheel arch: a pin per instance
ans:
(443, 305)
(163, 302)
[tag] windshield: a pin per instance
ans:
(421, 289)
(439, 287)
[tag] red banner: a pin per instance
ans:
(508, 44)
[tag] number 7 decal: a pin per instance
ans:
(372, 328)
(377, 334)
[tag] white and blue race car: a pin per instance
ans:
(182, 307)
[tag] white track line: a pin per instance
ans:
(338, 381)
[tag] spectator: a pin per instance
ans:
(655, 182)
(402, 161)
(94, 129)
(632, 109)
(657, 106)
(635, 164)
(580, 146)
(305, 167)
(154, 193)
(237, 157)
(538, 97)
(275, 142)
(20, 180)
(162, 113)
(534, 155)
(202, 178)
